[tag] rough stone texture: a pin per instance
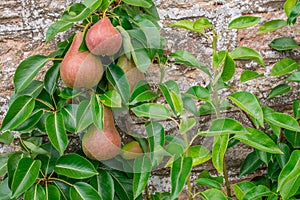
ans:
(22, 33)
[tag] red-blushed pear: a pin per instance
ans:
(131, 150)
(103, 38)
(80, 69)
(102, 145)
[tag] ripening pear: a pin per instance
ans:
(102, 145)
(80, 69)
(103, 38)
(131, 150)
(133, 74)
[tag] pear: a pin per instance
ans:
(103, 38)
(80, 69)
(102, 145)
(133, 74)
(131, 150)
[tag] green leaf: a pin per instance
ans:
(279, 90)
(104, 184)
(140, 56)
(3, 164)
(76, 12)
(35, 192)
(34, 148)
(84, 115)
(289, 177)
(56, 27)
(271, 26)
(246, 53)
(292, 18)
(296, 109)
(69, 93)
(5, 192)
(12, 164)
(282, 120)
(7, 137)
(295, 77)
(186, 58)
(34, 89)
(119, 81)
(282, 159)
(172, 99)
(259, 140)
(152, 110)
(180, 172)
(142, 92)
(228, 69)
(249, 75)
(112, 99)
(293, 138)
(202, 23)
(83, 191)
(243, 22)
(190, 105)
(250, 104)
(140, 3)
(123, 185)
(213, 194)
(51, 78)
(69, 115)
(224, 126)
(198, 93)
(205, 179)
(142, 169)
(25, 175)
(188, 25)
(27, 70)
(92, 4)
(257, 192)
(199, 154)
(284, 43)
(186, 124)
(127, 46)
(97, 112)
(283, 67)
(218, 151)
(250, 164)
(56, 131)
(288, 6)
(18, 112)
(241, 188)
(74, 166)
(30, 122)
(52, 192)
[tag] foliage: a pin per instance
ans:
(47, 114)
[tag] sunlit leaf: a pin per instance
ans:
(271, 26)
(279, 90)
(243, 22)
(284, 43)
(152, 110)
(249, 75)
(246, 53)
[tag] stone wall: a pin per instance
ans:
(23, 24)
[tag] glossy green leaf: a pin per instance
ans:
(289, 177)
(83, 191)
(186, 58)
(92, 4)
(250, 104)
(112, 99)
(283, 67)
(56, 27)
(142, 169)
(190, 105)
(241, 188)
(119, 81)
(284, 43)
(104, 184)
(123, 185)
(97, 111)
(69, 115)
(295, 77)
(250, 164)
(142, 92)
(199, 154)
(36, 192)
(63, 189)
(5, 192)
(180, 172)
(152, 110)
(198, 93)
(246, 53)
(6, 137)
(218, 151)
(249, 75)
(243, 22)
(282, 159)
(228, 69)
(257, 192)
(27, 70)
(186, 124)
(3, 164)
(264, 156)
(76, 12)
(259, 140)
(213, 194)
(25, 175)
(51, 78)
(34, 148)
(224, 126)
(56, 131)
(172, 99)
(271, 26)
(74, 166)
(12, 164)
(288, 6)
(296, 109)
(202, 23)
(52, 192)
(69, 93)
(18, 112)
(188, 25)
(292, 18)
(140, 3)
(205, 179)
(34, 89)
(140, 57)
(84, 116)
(279, 90)
(293, 138)
(282, 120)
